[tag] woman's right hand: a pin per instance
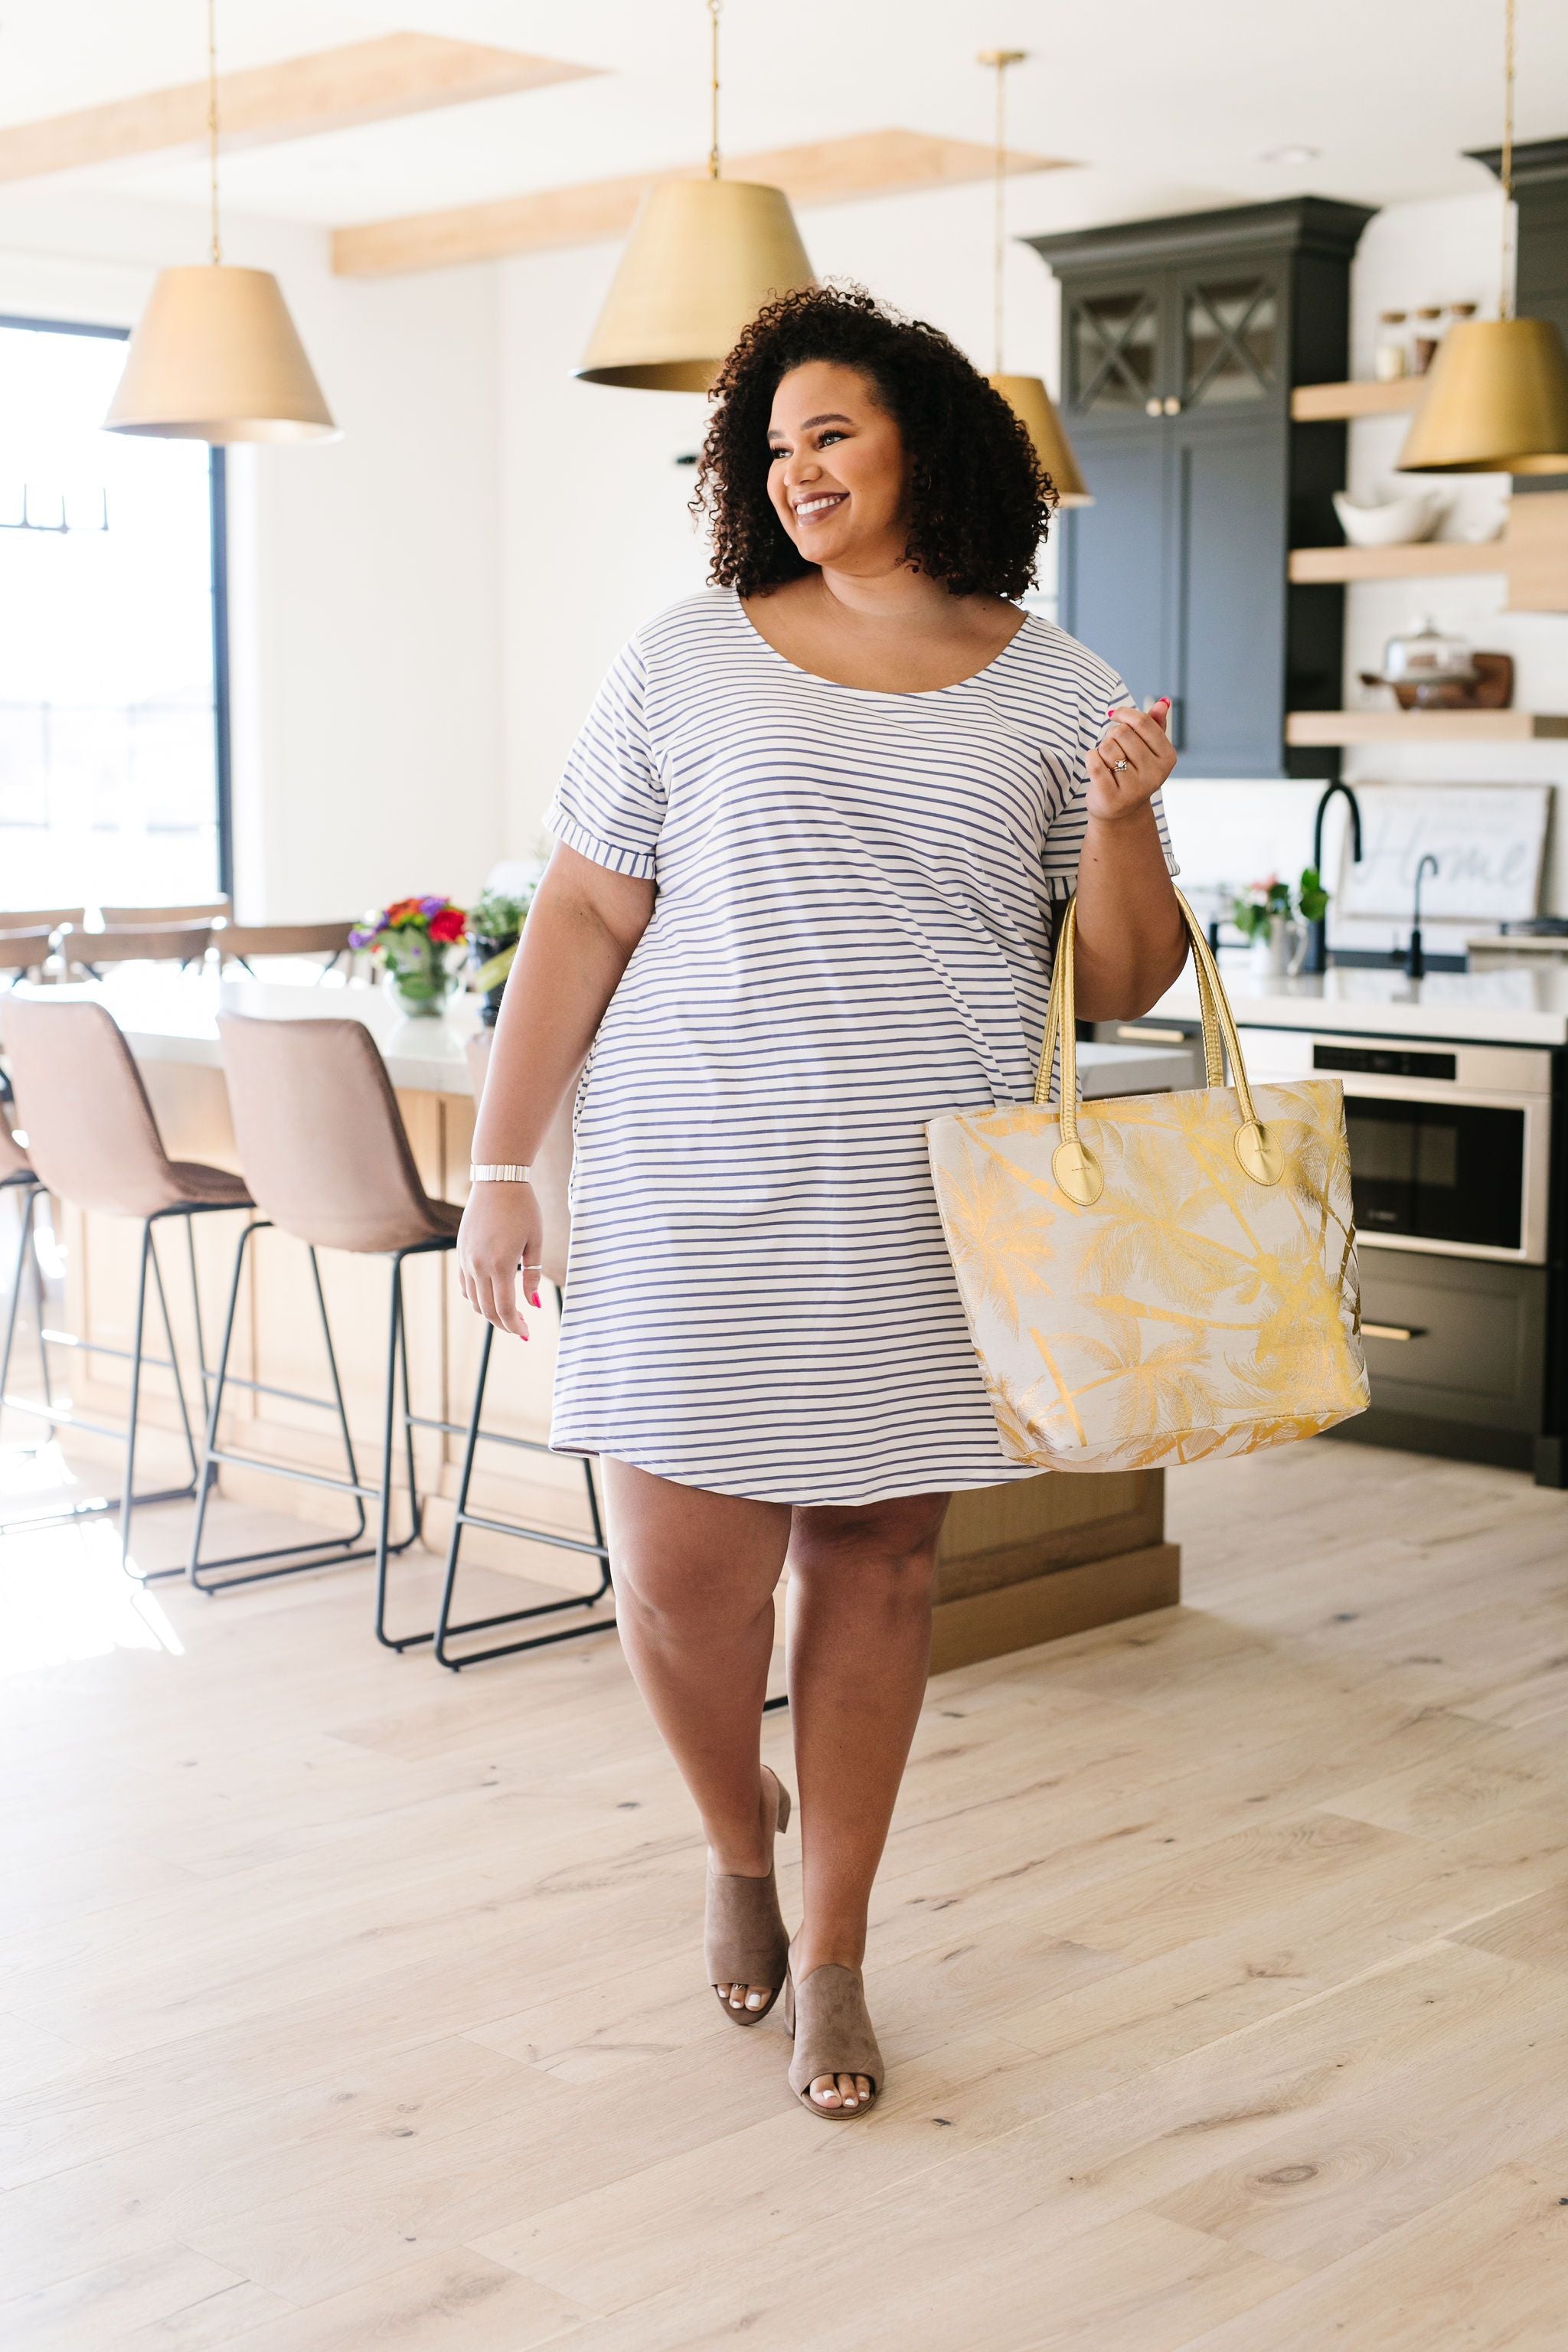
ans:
(499, 1234)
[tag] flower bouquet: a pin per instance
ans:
(412, 938)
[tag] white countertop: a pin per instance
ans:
(169, 1016)
(1523, 1005)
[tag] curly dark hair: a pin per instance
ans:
(980, 501)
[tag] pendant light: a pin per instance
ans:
(1496, 398)
(216, 356)
(1025, 394)
(702, 257)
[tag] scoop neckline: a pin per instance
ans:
(879, 693)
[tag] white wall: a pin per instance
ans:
(365, 574)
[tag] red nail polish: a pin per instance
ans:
(534, 1298)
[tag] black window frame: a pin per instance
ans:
(218, 535)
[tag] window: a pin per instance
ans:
(113, 720)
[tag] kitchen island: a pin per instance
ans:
(1019, 1563)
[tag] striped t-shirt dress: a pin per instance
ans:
(849, 937)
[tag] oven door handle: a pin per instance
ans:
(1357, 1083)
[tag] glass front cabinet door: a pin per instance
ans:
(1180, 342)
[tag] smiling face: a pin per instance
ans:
(839, 475)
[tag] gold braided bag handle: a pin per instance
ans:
(1077, 1170)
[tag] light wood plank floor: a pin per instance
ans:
(1220, 1959)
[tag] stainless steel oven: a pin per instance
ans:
(1449, 1144)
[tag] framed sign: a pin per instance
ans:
(1490, 841)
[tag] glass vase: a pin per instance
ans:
(420, 976)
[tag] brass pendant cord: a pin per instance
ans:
(212, 125)
(1000, 59)
(1000, 216)
(1505, 294)
(713, 9)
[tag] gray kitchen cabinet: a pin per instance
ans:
(1456, 1355)
(1182, 341)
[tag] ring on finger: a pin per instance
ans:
(1122, 766)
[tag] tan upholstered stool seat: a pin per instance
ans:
(93, 1142)
(325, 1154)
(92, 1135)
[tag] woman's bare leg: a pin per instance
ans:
(860, 1590)
(695, 1575)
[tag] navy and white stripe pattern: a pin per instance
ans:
(849, 937)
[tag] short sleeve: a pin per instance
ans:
(609, 804)
(1068, 822)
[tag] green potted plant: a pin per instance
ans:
(1262, 915)
(1312, 902)
(495, 927)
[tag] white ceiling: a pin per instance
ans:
(1162, 105)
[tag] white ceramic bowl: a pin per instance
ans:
(1398, 521)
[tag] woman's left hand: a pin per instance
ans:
(1130, 762)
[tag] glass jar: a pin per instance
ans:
(1391, 360)
(1428, 335)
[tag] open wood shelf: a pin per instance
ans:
(1426, 559)
(1335, 727)
(1320, 403)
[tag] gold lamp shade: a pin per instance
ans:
(1028, 398)
(215, 358)
(702, 257)
(1496, 401)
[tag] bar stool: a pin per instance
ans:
(327, 1160)
(88, 951)
(190, 910)
(93, 1142)
(551, 1172)
(19, 1184)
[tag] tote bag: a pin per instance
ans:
(1157, 1278)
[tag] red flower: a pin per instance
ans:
(448, 926)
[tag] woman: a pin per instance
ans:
(808, 844)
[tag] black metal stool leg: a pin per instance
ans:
(444, 1614)
(40, 1301)
(323, 1551)
(128, 1492)
(396, 1377)
(342, 1410)
(27, 1195)
(63, 1416)
(192, 1456)
(215, 1405)
(463, 1518)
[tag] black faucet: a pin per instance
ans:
(1414, 961)
(1316, 958)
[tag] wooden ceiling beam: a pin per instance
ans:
(331, 89)
(826, 171)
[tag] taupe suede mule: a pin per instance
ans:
(745, 1941)
(826, 2014)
